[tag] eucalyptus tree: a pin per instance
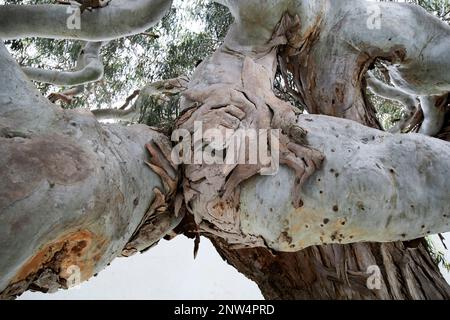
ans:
(76, 193)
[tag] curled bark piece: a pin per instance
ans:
(89, 69)
(165, 213)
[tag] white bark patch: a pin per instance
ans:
(374, 186)
(120, 18)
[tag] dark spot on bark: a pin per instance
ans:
(73, 124)
(332, 150)
(423, 226)
(335, 208)
(297, 181)
(343, 223)
(271, 209)
(337, 175)
(321, 225)
(306, 226)
(332, 170)
(351, 237)
(403, 235)
(392, 171)
(136, 202)
(360, 206)
(325, 221)
(321, 192)
(319, 179)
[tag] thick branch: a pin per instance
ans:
(72, 192)
(374, 186)
(389, 92)
(89, 69)
(120, 18)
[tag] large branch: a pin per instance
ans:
(73, 192)
(120, 18)
(374, 186)
(89, 69)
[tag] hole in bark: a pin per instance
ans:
(332, 170)
(306, 226)
(337, 174)
(321, 192)
(325, 221)
(423, 226)
(403, 235)
(136, 202)
(335, 208)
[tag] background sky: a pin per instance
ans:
(169, 271)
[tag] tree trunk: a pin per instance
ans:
(329, 84)
(77, 193)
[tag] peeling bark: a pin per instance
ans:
(73, 192)
(340, 271)
(78, 193)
